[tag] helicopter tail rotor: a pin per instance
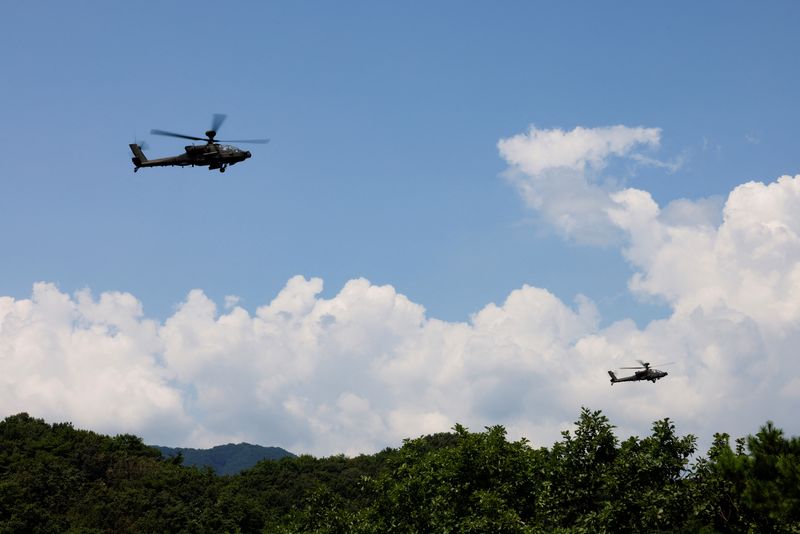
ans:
(139, 156)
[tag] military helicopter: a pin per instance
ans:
(646, 373)
(211, 154)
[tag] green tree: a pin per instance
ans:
(754, 488)
(576, 472)
(479, 483)
(647, 486)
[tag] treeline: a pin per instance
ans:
(54, 478)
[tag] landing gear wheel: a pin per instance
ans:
(222, 169)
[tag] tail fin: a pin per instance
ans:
(613, 377)
(139, 156)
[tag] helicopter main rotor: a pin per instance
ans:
(216, 122)
(645, 365)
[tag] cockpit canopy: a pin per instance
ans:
(230, 148)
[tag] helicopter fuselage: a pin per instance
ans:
(645, 374)
(211, 155)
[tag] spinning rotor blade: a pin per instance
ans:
(171, 134)
(637, 367)
(257, 141)
(219, 118)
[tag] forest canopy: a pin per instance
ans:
(55, 478)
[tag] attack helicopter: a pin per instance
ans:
(211, 154)
(646, 373)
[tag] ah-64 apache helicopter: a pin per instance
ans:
(646, 373)
(212, 154)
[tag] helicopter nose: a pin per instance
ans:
(247, 154)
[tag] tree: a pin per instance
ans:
(576, 472)
(479, 483)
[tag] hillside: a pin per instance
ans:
(227, 459)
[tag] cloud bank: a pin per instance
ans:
(367, 367)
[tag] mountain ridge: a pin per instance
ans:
(227, 459)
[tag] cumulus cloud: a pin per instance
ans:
(741, 254)
(749, 262)
(353, 373)
(92, 360)
(539, 150)
(558, 174)
(367, 368)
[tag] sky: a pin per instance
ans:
(467, 213)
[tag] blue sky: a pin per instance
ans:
(385, 120)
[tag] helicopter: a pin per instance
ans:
(646, 373)
(211, 154)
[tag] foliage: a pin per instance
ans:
(754, 488)
(479, 483)
(54, 478)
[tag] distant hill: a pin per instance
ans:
(229, 459)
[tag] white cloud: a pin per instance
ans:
(750, 262)
(356, 372)
(93, 360)
(691, 253)
(556, 172)
(540, 150)
(366, 368)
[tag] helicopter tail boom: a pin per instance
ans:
(139, 156)
(613, 377)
